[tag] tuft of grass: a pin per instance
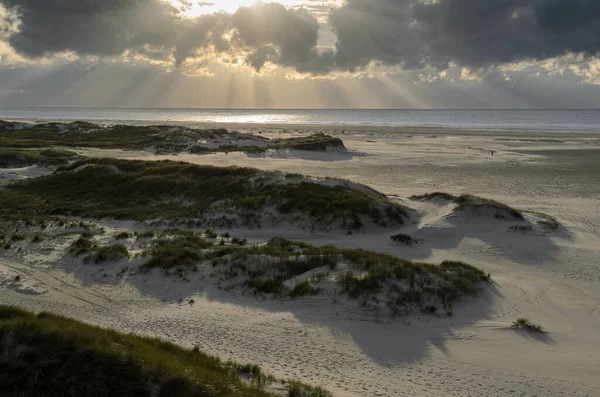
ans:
(18, 237)
(303, 288)
(81, 246)
(403, 239)
(524, 323)
(107, 253)
(123, 236)
(182, 251)
(14, 158)
(146, 234)
(433, 196)
(296, 389)
(48, 355)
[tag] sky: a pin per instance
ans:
(300, 53)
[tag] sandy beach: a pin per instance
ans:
(550, 277)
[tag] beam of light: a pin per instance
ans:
(200, 7)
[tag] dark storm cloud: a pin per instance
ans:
(410, 33)
(473, 33)
(293, 33)
(269, 32)
(95, 27)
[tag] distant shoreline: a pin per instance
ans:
(338, 129)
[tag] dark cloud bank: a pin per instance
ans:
(409, 33)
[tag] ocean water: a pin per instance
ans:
(550, 120)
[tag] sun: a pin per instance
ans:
(195, 8)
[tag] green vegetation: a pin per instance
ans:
(123, 236)
(317, 142)
(523, 323)
(433, 196)
(403, 239)
(303, 288)
(142, 190)
(48, 356)
(164, 139)
(467, 201)
(264, 269)
(545, 220)
(97, 254)
(107, 253)
(18, 237)
(13, 158)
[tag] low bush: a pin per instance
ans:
(524, 323)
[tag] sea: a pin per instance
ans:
(548, 120)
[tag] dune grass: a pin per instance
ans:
(317, 142)
(266, 268)
(162, 138)
(142, 190)
(467, 201)
(403, 239)
(14, 158)
(526, 324)
(46, 355)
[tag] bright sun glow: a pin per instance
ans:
(230, 6)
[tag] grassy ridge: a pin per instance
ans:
(467, 201)
(14, 158)
(143, 190)
(164, 139)
(265, 269)
(52, 356)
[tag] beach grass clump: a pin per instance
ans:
(46, 355)
(403, 239)
(468, 201)
(176, 248)
(433, 196)
(18, 237)
(297, 389)
(319, 142)
(14, 158)
(526, 324)
(544, 220)
(81, 246)
(123, 236)
(107, 253)
(145, 234)
(303, 288)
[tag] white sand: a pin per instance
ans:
(553, 278)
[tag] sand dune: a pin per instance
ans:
(549, 276)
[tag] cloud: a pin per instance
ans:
(474, 35)
(471, 33)
(105, 28)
